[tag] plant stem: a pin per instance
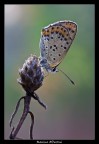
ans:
(27, 100)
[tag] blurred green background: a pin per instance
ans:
(71, 109)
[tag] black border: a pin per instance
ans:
(2, 72)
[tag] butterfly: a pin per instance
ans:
(55, 42)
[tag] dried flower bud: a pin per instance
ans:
(31, 74)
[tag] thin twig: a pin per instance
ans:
(27, 100)
(32, 123)
(35, 96)
(16, 109)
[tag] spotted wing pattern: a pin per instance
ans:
(56, 40)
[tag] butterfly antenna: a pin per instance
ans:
(67, 76)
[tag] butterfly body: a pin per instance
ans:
(55, 42)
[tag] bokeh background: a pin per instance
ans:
(71, 109)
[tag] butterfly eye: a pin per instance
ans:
(54, 69)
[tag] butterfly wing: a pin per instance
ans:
(56, 40)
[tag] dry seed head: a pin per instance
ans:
(31, 74)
